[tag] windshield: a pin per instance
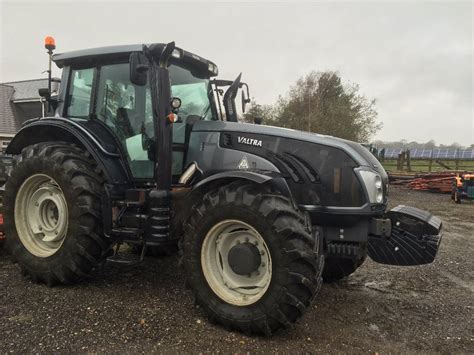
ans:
(193, 92)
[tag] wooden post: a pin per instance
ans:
(408, 160)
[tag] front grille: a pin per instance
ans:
(226, 140)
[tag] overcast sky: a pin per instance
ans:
(415, 58)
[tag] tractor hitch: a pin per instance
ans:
(414, 238)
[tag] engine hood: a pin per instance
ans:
(357, 152)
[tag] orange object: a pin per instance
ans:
(49, 43)
(172, 118)
(1, 218)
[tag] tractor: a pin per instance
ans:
(143, 145)
(463, 188)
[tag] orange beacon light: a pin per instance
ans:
(49, 43)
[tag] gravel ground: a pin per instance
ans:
(145, 308)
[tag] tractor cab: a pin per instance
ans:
(97, 86)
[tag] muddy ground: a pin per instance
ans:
(145, 308)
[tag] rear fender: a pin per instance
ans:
(108, 158)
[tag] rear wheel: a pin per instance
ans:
(53, 214)
(250, 259)
(337, 268)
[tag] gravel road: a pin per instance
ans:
(145, 308)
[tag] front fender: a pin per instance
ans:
(107, 156)
(273, 179)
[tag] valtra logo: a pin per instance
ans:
(249, 141)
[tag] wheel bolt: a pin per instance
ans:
(255, 243)
(247, 239)
(262, 265)
(262, 252)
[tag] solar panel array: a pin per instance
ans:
(437, 153)
(392, 153)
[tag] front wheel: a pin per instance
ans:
(250, 260)
(336, 268)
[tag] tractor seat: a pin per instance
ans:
(123, 119)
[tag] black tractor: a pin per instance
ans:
(142, 146)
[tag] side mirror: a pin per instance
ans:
(138, 69)
(245, 98)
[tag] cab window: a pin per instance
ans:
(121, 105)
(80, 90)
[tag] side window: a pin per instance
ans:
(121, 105)
(79, 95)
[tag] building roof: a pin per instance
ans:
(8, 122)
(26, 90)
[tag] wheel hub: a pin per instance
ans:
(41, 215)
(244, 258)
(236, 262)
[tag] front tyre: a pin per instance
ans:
(52, 213)
(250, 260)
(336, 268)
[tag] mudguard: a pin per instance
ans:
(274, 179)
(100, 145)
(414, 239)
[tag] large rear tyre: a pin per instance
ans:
(250, 259)
(336, 269)
(53, 213)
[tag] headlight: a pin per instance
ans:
(373, 184)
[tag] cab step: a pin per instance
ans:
(127, 259)
(126, 233)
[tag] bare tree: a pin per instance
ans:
(319, 102)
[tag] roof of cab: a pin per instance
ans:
(62, 59)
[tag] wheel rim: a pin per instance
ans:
(41, 215)
(231, 287)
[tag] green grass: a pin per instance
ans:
(423, 165)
